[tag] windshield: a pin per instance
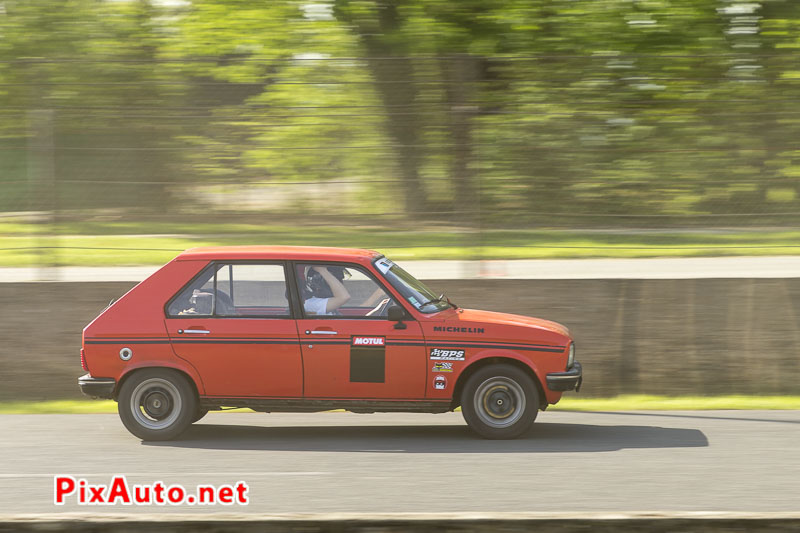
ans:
(413, 290)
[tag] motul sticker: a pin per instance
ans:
(440, 383)
(438, 354)
(369, 341)
(443, 366)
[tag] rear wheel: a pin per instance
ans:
(200, 413)
(499, 402)
(157, 404)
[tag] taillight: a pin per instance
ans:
(83, 360)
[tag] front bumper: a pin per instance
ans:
(97, 387)
(564, 381)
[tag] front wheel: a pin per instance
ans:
(499, 402)
(156, 404)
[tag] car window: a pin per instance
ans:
(413, 290)
(335, 290)
(234, 290)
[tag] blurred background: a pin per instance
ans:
(514, 128)
(427, 129)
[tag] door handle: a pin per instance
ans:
(203, 331)
(321, 332)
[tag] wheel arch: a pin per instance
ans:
(137, 369)
(492, 360)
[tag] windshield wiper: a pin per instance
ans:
(441, 298)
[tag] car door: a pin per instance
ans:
(233, 323)
(354, 351)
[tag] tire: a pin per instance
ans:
(200, 413)
(156, 404)
(500, 402)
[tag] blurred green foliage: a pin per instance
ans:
(510, 113)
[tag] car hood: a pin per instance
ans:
(507, 319)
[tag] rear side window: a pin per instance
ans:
(234, 290)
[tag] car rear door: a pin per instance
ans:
(233, 323)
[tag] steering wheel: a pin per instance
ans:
(380, 308)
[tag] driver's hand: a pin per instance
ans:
(377, 295)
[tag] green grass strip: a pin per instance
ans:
(154, 247)
(642, 402)
(569, 403)
(58, 407)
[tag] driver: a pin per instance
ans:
(327, 292)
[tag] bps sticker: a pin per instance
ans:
(440, 383)
(369, 341)
(443, 366)
(437, 354)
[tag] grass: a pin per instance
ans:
(640, 402)
(117, 243)
(58, 407)
(569, 403)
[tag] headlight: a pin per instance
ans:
(571, 357)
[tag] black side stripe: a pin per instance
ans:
(332, 342)
(474, 343)
(230, 341)
(527, 348)
(127, 341)
(393, 343)
(192, 340)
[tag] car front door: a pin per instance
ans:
(234, 325)
(351, 350)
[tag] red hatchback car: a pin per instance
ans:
(299, 329)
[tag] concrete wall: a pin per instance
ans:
(735, 336)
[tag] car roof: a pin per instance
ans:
(299, 253)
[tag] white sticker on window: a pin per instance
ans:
(384, 265)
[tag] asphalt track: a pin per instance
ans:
(743, 461)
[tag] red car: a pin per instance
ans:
(300, 329)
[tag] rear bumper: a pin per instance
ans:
(565, 381)
(97, 387)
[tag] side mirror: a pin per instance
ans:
(397, 314)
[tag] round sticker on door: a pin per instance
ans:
(439, 382)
